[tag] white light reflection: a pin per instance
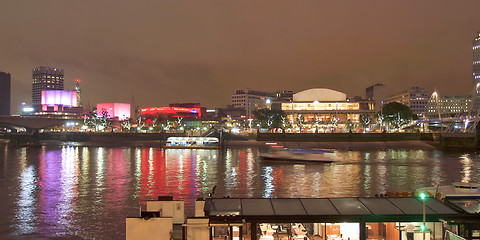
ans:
(26, 203)
(269, 187)
(100, 178)
(250, 174)
(467, 163)
(68, 192)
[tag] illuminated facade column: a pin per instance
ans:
(476, 75)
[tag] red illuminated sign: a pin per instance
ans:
(170, 111)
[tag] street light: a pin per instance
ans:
(423, 228)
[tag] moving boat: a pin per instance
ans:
(302, 155)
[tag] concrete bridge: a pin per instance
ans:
(31, 123)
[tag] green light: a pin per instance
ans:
(422, 228)
(423, 196)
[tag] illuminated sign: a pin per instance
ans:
(171, 111)
(59, 97)
(114, 110)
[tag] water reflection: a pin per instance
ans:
(88, 191)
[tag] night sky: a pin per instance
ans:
(164, 52)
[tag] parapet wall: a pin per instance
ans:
(343, 137)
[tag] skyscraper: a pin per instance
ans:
(476, 74)
(5, 87)
(45, 78)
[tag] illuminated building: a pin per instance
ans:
(449, 106)
(45, 78)
(377, 93)
(79, 92)
(476, 73)
(184, 110)
(323, 108)
(251, 100)
(5, 88)
(65, 98)
(114, 110)
(416, 98)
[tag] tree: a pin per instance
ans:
(395, 114)
(270, 119)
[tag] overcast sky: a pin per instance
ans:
(164, 52)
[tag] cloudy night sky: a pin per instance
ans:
(164, 52)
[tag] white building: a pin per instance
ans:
(251, 100)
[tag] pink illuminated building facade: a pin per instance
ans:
(114, 110)
(57, 100)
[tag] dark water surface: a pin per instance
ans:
(60, 192)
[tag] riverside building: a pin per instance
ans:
(449, 106)
(326, 110)
(251, 100)
(377, 93)
(45, 78)
(5, 88)
(416, 98)
(476, 73)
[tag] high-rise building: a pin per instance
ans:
(416, 98)
(5, 87)
(476, 74)
(377, 93)
(45, 78)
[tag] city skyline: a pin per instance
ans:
(165, 52)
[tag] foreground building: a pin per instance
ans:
(323, 110)
(354, 218)
(416, 98)
(5, 88)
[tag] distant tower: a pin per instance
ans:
(5, 87)
(45, 78)
(79, 92)
(476, 75)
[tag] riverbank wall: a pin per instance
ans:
(343, 137)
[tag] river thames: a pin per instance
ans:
(78, 192)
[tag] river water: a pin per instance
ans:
(75, 192)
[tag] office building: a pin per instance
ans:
(449, 106)
(251, 100)
(45, 78)
(476, 74)
(416, 98)
(5, 88)
(377, 93)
